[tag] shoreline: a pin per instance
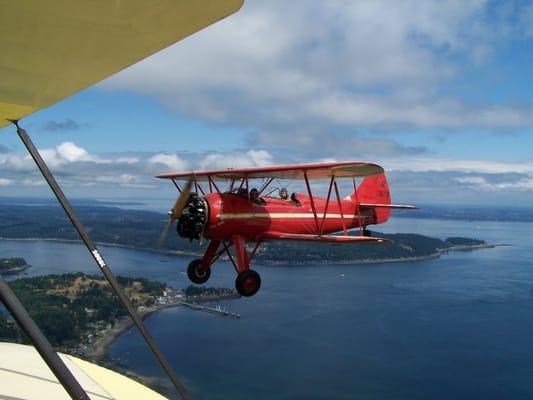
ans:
(101, 346)
(15, 270)
(125, 246)
(437, 254)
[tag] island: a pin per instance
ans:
(80, 315)
(113, 226)
(12, 266)
(403, 247)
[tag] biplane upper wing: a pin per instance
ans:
(53, 49)
(296, 171)
(323, 238)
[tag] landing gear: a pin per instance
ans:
(196, 274)
(367, 232)
(248, 283)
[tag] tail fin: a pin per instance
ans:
(373, 192)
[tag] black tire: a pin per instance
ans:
(195, 276)
(367, 232)
(248, 283)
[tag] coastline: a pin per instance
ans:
(437, 254)
(125, 246)
(100, 346)
(15, 270)
(356, 261)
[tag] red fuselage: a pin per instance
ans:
(231, 214)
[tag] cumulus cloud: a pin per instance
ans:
(168, 161)
(33, 182)
(249, 158)
(456, 187)
(375, 64)
(468, 166)
(5, 182)
(76, 167)
(484, 183)
(423, 178)
(65, 153)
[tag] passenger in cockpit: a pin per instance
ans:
(254, 197)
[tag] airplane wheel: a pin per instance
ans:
(367, 232)
(248, 283)
(197, 276)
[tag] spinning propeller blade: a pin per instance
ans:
(176, 211)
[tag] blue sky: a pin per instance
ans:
(440, 93)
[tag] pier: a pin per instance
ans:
(216, 310)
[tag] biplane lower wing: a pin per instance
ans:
(322, 238)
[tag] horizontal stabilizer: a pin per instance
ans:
(322, 238)
(395, 206)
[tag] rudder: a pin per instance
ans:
(375, 190)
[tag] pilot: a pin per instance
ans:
(295, 200)
(254, 197)
(283, 194)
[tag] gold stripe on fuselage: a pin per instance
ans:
(228, 216)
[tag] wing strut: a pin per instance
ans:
(327, 204)
(82, 232)
(340, 208)
(317, 227)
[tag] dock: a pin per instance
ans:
(212, 310)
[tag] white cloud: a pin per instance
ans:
(120, 179)
(482, 183)
(71, 152)
(128, 160)
(76, 168)
(467, 166)
(335, 63)
(422, 178)
(33, 182)
(169, 161)
(5, 182)
(473, 180)
(249, 158)
(65, 153)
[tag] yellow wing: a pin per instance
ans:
(50, 50)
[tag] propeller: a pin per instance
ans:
(175, 213)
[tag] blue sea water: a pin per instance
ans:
(455, 327)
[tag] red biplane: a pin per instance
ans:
(240, 214)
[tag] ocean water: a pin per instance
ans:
(455, 327)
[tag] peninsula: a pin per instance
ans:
(141, 229)
(12, 266)
(80, 315)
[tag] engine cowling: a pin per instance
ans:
(194, 218)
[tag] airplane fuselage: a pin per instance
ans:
(231, 214)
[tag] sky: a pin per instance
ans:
(438, 92)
